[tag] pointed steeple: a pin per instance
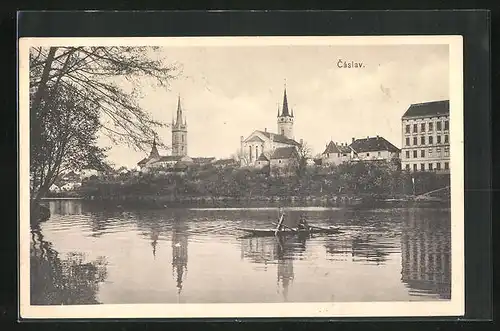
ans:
(179, 111)
(154, 151)
(285, 105)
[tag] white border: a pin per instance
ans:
(454, 307)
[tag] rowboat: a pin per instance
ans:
(290, 232)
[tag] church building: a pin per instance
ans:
(262, 147)
(179, 155)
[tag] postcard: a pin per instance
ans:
(241, 177)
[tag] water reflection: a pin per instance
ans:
(62, 281)
(179, 253)
(279, 251)
(379, 255)
(426, 252)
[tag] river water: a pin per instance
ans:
(87, 255)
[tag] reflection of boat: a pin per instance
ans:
(291, 231)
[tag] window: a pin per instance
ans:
(422, 127)
(407, 129)
(415, 167)
(415, 128)
(407, 141)
(283, 132)
(438, 126)
(446, 125)
(414, 141)
(422, 166)
(429, 152)
(344, 154)
(407, 167)
(422, 153)
(446, 151)
(407, 154)
(430, 167)
(438, 139)
(431, 126)
(422, 140)
(256, 152)
(182, 138)
(438, 166)
(279, 161)
(327, 154)
(367, 154)
(446, 141)
(415, 154)
(378, 153)
(446, 165)
(250, 152)
(431, 140)
(438, 152)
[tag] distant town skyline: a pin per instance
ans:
(228, 92)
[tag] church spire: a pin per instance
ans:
(285, 105)
(179, 111)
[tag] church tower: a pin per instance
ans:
(285, 120)
(179, 133)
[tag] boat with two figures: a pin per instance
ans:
(290, 231)
(284, 230)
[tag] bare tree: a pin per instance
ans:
(74, 92)
(301, 157)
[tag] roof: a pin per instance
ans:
(427, 109)
(373, 144)
(336, 148)
(224, 161)
(262, 157)
(331, 148)
(169, 158)
(203, 159)
(279, 138)
(284, 153)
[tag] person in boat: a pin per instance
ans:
(303, 224)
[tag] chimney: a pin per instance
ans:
(378, 137)
(367, 137)
(265, 129)
(353, 139)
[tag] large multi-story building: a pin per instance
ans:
(426, 137)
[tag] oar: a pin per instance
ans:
(279, 224)
(286, 227)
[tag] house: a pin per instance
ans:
(54, 189)
(373, 149)
(335, 154)
(426, 137)
(283, 158)
(262, 161)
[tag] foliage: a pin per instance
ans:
(360, 178)
(74, 95)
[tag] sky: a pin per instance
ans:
(228, 92)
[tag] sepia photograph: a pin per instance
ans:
(241, 177)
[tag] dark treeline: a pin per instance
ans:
(349, 179)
